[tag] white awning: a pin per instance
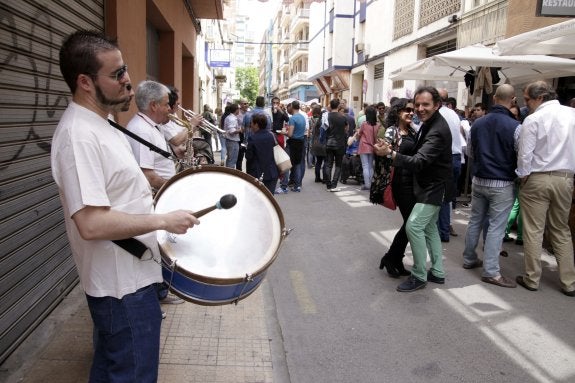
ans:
(557, 39)
(452, 66)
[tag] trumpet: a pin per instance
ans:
(178, 121)
(204, 125)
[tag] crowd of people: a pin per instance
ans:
(520, 160)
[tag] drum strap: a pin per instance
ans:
(151, 146)
(132, 246)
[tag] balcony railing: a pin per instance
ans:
(302, 16)
(296, 49)
(299, 77)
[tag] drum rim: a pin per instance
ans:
(167, 261)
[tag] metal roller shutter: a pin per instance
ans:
(36, 267)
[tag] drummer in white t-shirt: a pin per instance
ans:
(105, 197)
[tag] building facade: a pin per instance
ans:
(356, 45)
(284, 62)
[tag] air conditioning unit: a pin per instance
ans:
(359, 47)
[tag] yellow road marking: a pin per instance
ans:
(302, 294)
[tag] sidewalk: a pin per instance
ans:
(228, 343)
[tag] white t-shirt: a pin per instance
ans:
(93, 165)
(170, 129)
(145, 128)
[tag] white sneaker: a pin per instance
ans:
(164, 315)
(335, 190)
(171, 300)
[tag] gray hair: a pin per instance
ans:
(541, 89)
(149, 91)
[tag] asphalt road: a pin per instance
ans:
(337, 317)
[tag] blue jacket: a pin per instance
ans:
(493, 144)
(260, 155)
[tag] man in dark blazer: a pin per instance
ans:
(431, 164)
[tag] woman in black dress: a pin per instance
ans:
(401, 135)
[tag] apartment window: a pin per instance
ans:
(398, 84)
(433, 10)
(153, 48)
(403, 18)
(447, 46)
(378, 71)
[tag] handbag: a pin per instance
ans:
(388, 200)
(281, 157)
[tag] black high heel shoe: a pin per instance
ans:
(391, 270)
(401, 270)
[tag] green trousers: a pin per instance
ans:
(515, 216)
(421, 228)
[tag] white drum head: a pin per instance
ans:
(228, 244)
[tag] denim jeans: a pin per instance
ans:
(222, 146)
(494, 203)
(421, 228)
(127, 333)
(232, 151)
(333, 155)
(367, 168)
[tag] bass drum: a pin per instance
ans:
(224, 258)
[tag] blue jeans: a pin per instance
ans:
(367, 168)
(222, 146)
(232, 150)
(127, 333)
(495, 203)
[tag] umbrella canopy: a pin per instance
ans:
(557, 39)
(452, 66)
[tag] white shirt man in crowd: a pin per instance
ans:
(454, 122)
(545, 165)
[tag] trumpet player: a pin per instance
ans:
(152, 100)
(176, 134)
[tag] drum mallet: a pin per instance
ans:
(227, 201)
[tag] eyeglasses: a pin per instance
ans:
(117, 75)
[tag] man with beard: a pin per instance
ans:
(105, 197)
(431, 164)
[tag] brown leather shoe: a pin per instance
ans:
(499, 281)
(521, 282)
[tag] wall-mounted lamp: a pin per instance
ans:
(453, 19)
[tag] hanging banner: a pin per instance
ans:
(220, 58)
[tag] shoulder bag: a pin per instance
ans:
(281, 157)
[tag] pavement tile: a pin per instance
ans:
(198, 344)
